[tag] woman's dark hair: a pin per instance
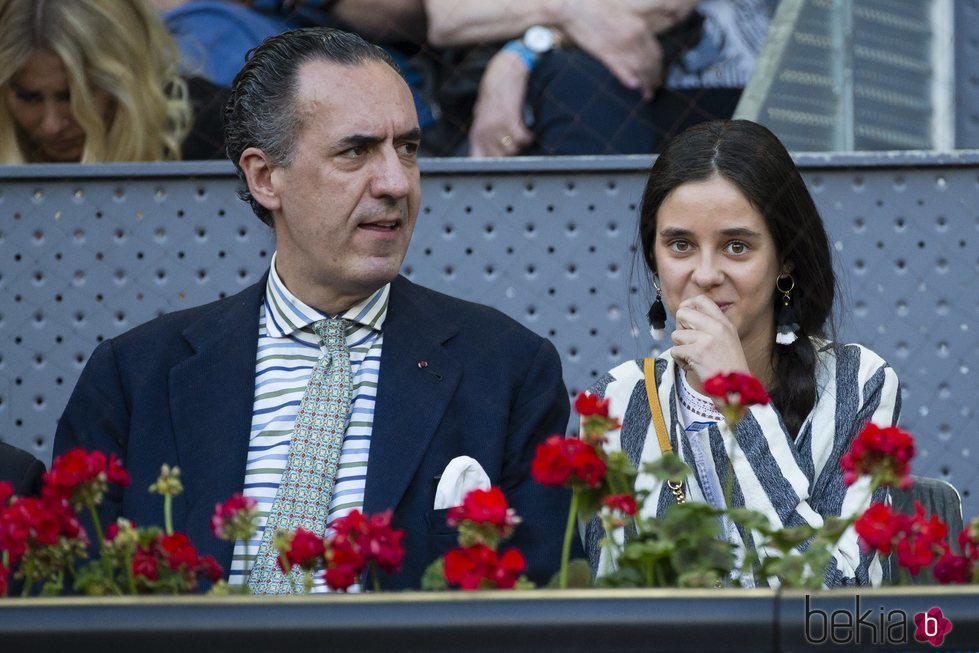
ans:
(755, 161)
(261, 110)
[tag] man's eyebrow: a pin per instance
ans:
(361, 140)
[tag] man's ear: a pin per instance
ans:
(258, 173)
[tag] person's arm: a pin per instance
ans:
(96, 418)
(498, 127)
(384, 20)
(794, 485)
(541, 409)
(609, 30)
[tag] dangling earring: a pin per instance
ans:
(788, 322)
(657, 313)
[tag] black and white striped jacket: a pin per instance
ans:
(794, 479)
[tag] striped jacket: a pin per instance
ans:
(794, 480)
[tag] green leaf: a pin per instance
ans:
(579, 573)
(668, 467)
(433, 580)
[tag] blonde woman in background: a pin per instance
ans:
(97, 80)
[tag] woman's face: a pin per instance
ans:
(711, 241)
(39, 99)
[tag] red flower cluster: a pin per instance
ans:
(171, 562)
(480, 567)
(82, 476)
(736, 389)
(624, 503)
(486, 508)
(587, 405)
(235, 519)
(303, 548)
(884, 453)
(916, 540)
(30, 524)
(559, 459)
(359, 542)
(961, 568)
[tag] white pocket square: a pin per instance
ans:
(462, 475)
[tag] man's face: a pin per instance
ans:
(348, 200)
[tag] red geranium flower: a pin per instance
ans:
(478, 566)
(145, 564)
(305, 549)
(884, 453)
(4, 576)
(877, 527)
(210, 568)
(82, 476)
(624, 503)
(344, 563)
(383, 543)
(551, 465)
(235, 519)
(511, 564)
(588, 404)
(485, 507)
(952, 568)
(586, 463)
(736, 389)
(6, 492)
(178, 552)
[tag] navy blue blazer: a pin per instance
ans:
(20, 469)
(180, 390)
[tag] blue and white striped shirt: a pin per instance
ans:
(287, 352)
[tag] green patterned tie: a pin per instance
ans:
(303, 497)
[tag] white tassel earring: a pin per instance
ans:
(787, 324)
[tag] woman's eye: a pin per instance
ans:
(737, 248)
(680, 246)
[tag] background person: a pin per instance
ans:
(97, 80)
(727, 228)
(20, 469)
(324, 133)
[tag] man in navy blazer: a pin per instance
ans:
(324, 135)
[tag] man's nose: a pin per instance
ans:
(392, 175)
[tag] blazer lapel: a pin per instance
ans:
(417, 380)
(211, 401)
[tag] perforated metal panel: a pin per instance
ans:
(83, 258)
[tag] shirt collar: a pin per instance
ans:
(286, 313)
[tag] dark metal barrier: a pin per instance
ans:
(593, 621)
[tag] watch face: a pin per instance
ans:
(539, 39)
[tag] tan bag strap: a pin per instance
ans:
(652, 395)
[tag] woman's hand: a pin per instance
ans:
(704, 341)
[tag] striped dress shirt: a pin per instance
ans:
(793, 479)
(287, 352)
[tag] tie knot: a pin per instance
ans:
(332, 332)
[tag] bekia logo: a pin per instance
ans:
(931, 626)
(869, 626)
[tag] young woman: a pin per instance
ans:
(95, 81)
(739, 256)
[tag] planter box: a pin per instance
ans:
(586, 620)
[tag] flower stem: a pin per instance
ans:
(568, 532)
(168, 513)
(375, 580)
(103, 555)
